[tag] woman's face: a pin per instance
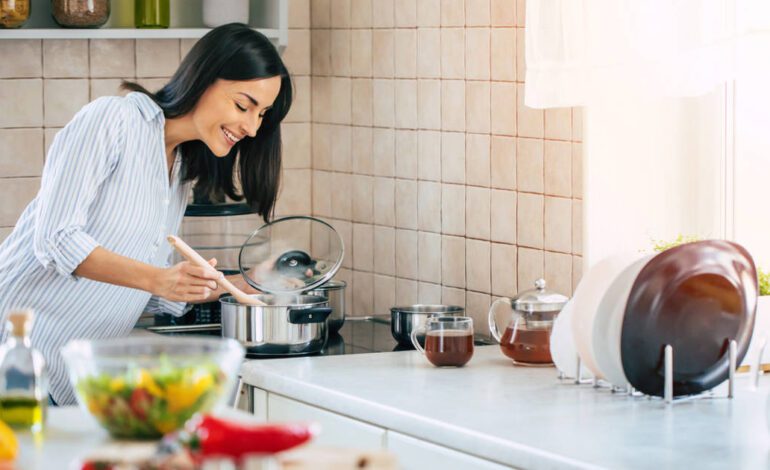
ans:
(231, 110)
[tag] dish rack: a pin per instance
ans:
(668, 371)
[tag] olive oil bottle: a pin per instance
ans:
(23, 382)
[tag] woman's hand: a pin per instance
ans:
(186, 282)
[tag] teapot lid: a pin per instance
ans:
(539, 299)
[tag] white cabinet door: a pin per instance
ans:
(414, 454)
(336, 430)
(259, 403)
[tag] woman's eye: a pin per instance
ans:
(241, 108)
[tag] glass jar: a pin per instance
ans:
(527, 336)
(152, 13)
(13, 13)
(80, 13)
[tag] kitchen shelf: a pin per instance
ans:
(116, 33)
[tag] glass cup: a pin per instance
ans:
(448, 340)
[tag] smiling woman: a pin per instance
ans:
(89, 254)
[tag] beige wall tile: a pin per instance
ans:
(406, 53)
(362, 102)
(477, 53)
(452, 53)
(384, 102)
(322, 147)
(21, 152)
(321, 51)
(383, 53)
(341, 149)
(406, 13)
(503, 161)
(362, 151)
(346, 275)
(299, 13)
(429, 293)
(186, 44)
(503, 216)
(384, 152)
(429, 206)
(300, 107)
(453, 261)
(385, 250)
(529, 165)
(363, 199)
(112, 58)
(577, 227)
(65, 58)
(452, 12)
(106, 87)
(341, 44)
(295, 193)
(577, 124)
(156, 57)
(321, 99)
(406, 204)
(529, 220)
(558, 224)
(503, 12)
(428, 13)
(27, 58)
(63, 98)
(363, 247)
(383, 13)
(16, 193)
(429, 52)
(530, 267)
(297, 53)
(429, 104)
(406, 154)
(341, 195)
(407, 292)
(453, 157)
(152, 84)
(478, 265)
(406, 254)
(558, 168)
(361, 53)
(476, 306)
(530, 122)
(322, 198)
(341, 105)
(296, 145)
(406, 104)
(429, 256)
(477, 212)
(503, 108)
(361, 13)
(321, 13)
(504, 270)
(477, 160)
(49, 135)
(577, 271)
(558, 123)
(340, 14)
(558, 272)
(521, 6)
(477, 107)
(429, 155)
(453, 296)
(504, 54)
(453, 105)
(577, 170)
(385, 201)
(384, 294)
(477, 13)
(521, 65)
(453, 209)
(22, 103)
(5, 232)
(363, 293)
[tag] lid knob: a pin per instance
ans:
(540, 284)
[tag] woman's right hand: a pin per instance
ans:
(186, 282)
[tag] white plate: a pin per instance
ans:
(563, 350)
(608, 323)
(586, 301)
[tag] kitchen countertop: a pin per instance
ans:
(526, 417)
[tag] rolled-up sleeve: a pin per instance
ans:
(81, 158)
(159, 305)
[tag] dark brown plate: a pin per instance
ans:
(695, 297)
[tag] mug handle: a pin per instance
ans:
(493, 321)
(414, 338)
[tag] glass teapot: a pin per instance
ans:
(527, 335)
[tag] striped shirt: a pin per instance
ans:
(105, 183)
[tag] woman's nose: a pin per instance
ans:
(251, 128)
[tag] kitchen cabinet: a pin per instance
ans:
(416, 454)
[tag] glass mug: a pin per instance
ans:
(448, 340)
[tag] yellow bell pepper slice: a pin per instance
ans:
(9, 446)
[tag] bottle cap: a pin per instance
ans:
(20, 322)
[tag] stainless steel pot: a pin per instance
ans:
(334, 293)
(287, 325)
(407, 318)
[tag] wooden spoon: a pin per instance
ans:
(193, 257)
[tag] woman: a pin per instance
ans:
(88, 254)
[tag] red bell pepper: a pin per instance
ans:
(210, 436)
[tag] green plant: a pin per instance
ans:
(764, 281)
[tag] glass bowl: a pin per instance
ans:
(143, 388)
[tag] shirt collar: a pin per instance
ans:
(147, 107)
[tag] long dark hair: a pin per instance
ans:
(231, 52)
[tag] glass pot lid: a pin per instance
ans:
(291, 255)
(539, 299)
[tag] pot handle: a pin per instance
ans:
(303, 316)
(413, 336)
(493, 321)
